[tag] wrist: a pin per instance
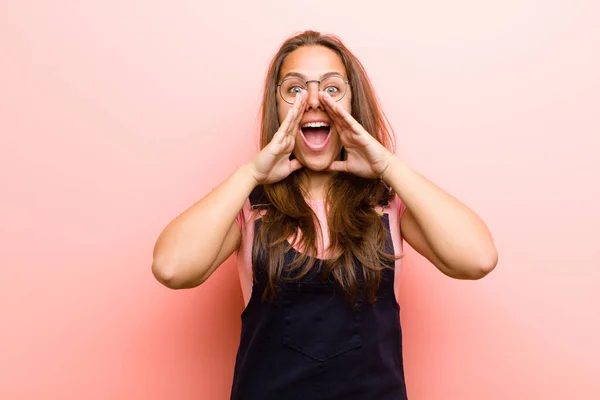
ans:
(384, 175)
(249, 174)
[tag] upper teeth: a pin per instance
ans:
(315, 125)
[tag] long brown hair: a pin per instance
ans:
(355, 228)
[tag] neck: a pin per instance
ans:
(315, 183)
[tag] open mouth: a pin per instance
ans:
(316, 135)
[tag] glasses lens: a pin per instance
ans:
(290, 87)
(335, 86)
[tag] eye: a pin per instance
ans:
(335, 86)
(291, 87)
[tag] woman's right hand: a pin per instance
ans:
(273, 163)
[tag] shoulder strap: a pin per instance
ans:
(258, 198)
(383, 202)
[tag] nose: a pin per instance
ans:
(313, 102)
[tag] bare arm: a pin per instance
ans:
(205, 234)
(440, 227)
(195, 243)
(436, 224)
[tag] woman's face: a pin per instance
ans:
(318, 144)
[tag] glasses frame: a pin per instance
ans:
(278, 86)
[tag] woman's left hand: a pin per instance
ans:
(366, 156)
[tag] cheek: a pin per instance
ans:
(347, 104)
(282, 110)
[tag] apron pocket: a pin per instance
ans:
(319, 322)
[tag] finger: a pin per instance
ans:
(299, 106)
(292, 119)
(331, 107)
(282, 131)
(342, 116)
(330, 110)
(339, 166)
(295, 165)
(329, 104)
(350, 122)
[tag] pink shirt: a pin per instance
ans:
(246, 218)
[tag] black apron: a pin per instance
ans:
(311, 344)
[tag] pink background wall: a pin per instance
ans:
(117, 115)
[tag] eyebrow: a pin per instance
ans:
(325, 75)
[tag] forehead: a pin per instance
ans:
(312, 62)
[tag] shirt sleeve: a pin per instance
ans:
(239, 219)
(401, 208)
(244, 221)
(242, 217)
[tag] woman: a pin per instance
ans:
(317, 219)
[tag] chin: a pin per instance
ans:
(316, 167)
(317, 164)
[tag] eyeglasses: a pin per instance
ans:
(336, 86)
